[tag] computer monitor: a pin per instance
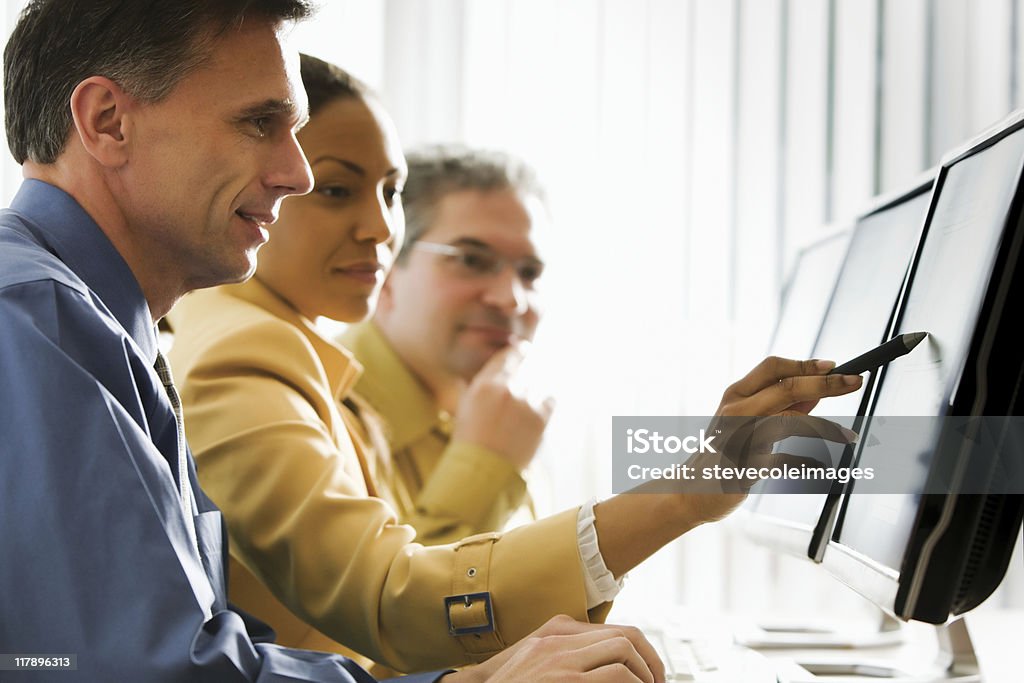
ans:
(784, 516)
(807, 293)
(805, 300)
(917, 553)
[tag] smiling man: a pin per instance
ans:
(440, 354)
(154, 157)
(157, 140)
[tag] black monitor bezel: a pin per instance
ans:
(916, 591)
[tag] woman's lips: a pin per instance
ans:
(367, 273)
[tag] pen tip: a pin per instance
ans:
(912, 339)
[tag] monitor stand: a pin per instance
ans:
(801, 634)
(955, 662)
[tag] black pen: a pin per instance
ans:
(880, 355)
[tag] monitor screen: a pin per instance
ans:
(889, 546)
(807, 294)
(869, 284)
(855, 319)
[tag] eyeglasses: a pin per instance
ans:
(480, 261)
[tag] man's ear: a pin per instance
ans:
(98, 108)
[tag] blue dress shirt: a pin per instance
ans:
(95, 559)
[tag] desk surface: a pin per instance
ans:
(996, 634)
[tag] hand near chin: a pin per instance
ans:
(769, 404)
(494, 415)
(564, 649)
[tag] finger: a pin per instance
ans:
(779, 427)
(772, 369)
(804, 406)
(546, 407)
(502, 365)
(611, 673)
(611, 651)
(767, 465)
(580, 633)
(644, 648)
(651, 657)
(791, 391)
(565, 625)
(782, 459)
(775, 459)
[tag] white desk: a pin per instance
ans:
(997, 635)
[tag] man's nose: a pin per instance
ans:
(506, 292)
(290, 173)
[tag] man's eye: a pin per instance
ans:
(530, 274)
(261, 124)
(334, 192)
(477, 261)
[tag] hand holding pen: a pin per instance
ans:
(880, 355)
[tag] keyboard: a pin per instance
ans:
(708, 660)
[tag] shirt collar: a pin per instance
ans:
(391, 388)
(75, 238)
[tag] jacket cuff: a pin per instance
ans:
(470, 608)
(535, 573)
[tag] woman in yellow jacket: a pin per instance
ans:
(292, 458)
(281, 450)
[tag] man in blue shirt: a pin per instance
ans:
(157, 141)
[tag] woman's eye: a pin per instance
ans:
(391, 195)
(334, 192)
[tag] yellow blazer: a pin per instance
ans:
(446, 490)
(261, 389)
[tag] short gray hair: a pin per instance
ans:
(439, 170)
(145, 46)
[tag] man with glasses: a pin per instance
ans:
(451, 327)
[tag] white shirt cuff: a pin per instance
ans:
(600, 585)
